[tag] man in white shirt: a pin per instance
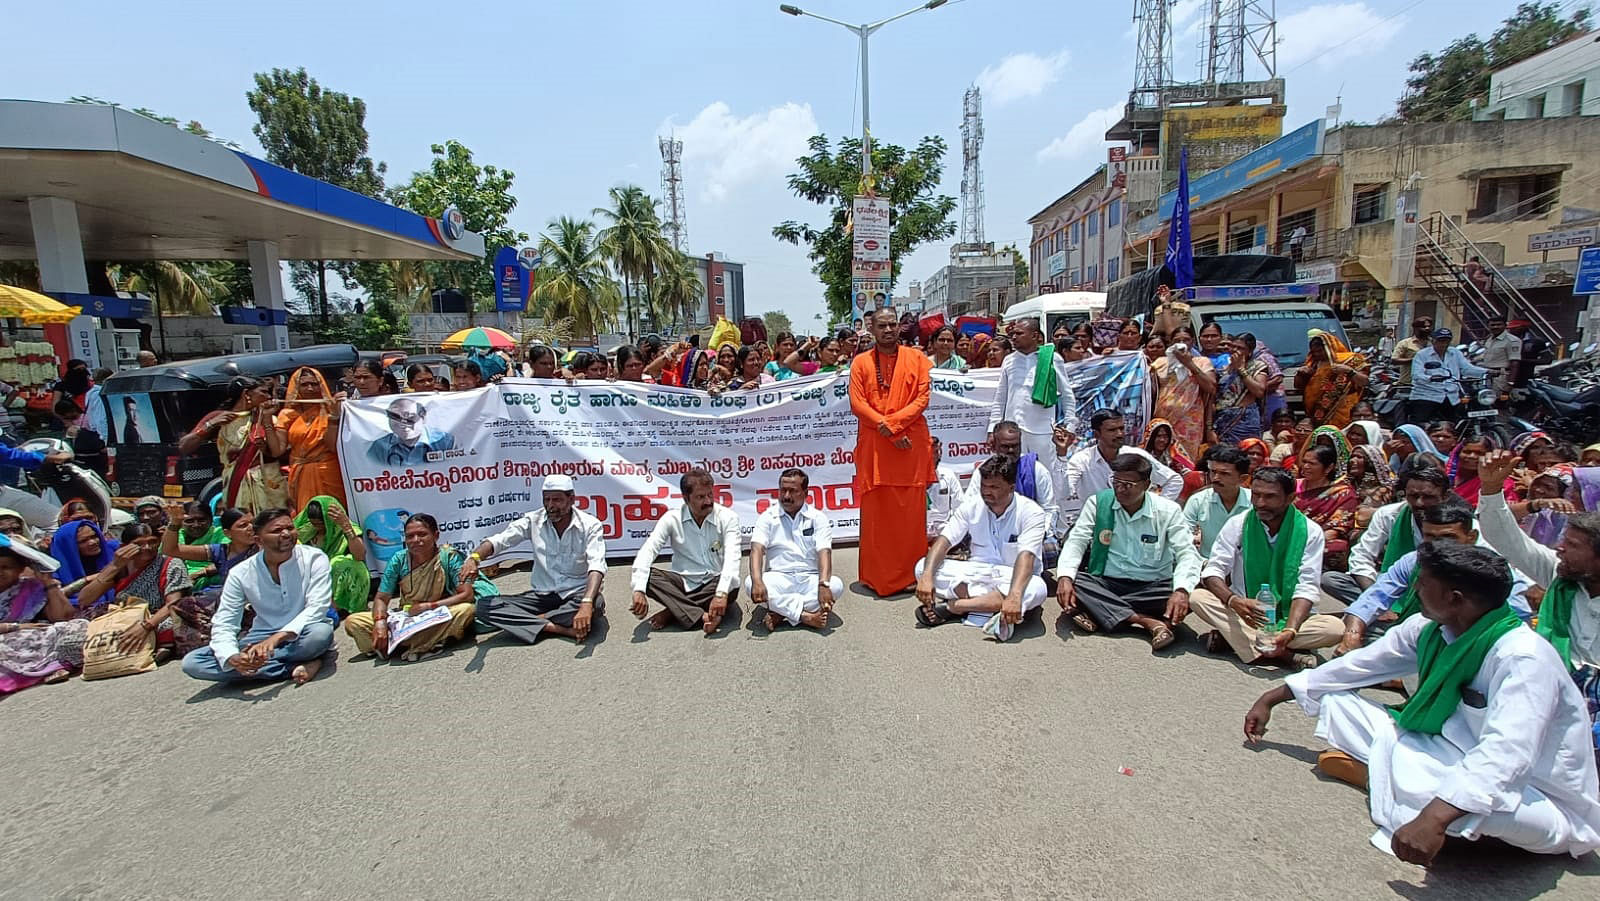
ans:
(1001, 580)
(1436, 374)
(1035, 479)
(1502, 354)
(569, 563)
(944, 494)
(791, 558)
(1395, 530)
(1208, 509)
(1088, 472)
(1019, 400)
(290, 588)
(1245, 557)
(1494, 742)
(1569, 615)
(704, 539)
(1142, 561)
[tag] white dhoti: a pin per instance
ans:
(791, 594)
(982, 578)
(1405, 771)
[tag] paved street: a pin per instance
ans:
(879, 760)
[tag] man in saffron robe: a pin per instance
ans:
(889, 391)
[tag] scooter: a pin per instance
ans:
(54, 484)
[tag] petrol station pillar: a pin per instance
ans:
(267, 279)
(59, 246)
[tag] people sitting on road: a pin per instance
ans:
(139, 571)
(568, 548)
(1142, 562)
(197, 528)
(1495, 741)
(422, 578)
(791, 559)
(83, 550)
(40, 638)
(1035, 481)
(1001, 579)
(1088, 472)
(1393, 597)
(289, 587)
(1271, 549)
(703, 536)
(1209, 508)
(1395, 530)
(945, 493)
(324, 525)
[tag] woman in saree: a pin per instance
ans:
(1258, 452)
(1407, 440)
(40, 639)
(235, 541)
(979, 355)
(942, 350)
(82, 550)
(1327, 499)
(1364, 431)
(1330, 437)
(424, 577)
(139, 571)
(1462, 464)
(1162, 443)
(1239, 390)
(1371, 477)
(324, 525)
(249, 444)
(1331, 380)
(964, 348)
(998, 350)
(310, 423)
(1185, 382)
(76, 510)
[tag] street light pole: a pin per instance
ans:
(863, 32)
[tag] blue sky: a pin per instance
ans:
(571, 96)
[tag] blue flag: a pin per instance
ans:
(1180, 247)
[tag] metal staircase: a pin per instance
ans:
(1442, 253)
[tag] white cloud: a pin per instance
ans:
(1330, 33)
(1020, 76)
(722, 152)
(1185, 17)
(1084, 139)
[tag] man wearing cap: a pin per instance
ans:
(152, 511)
(1436, 374)
(1502, 353)
(568, 548)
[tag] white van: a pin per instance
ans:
(1071, 308)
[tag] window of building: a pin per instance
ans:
(1206, 248)
(1088, 275)
(1536, 107)
(1113, 270)
(1114, 213)
(1371, 203)
(1288, 222)
(1094, 223)
(1077, 233)
(1514, 197)
(1241, 240)
(1572, 99)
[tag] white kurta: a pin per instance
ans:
(1516, 755)
(793, 546)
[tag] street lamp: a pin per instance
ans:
(863, 32)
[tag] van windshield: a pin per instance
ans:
(1282, 331)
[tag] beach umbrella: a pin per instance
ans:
(481, 339)
(34, 308)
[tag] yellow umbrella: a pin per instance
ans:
(34, 308)
(481, 338)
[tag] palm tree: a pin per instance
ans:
(574, 282)
(179, 289)
(413, 285)
(677, 288)
(632, 240)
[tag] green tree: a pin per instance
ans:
(777, 321)
(1019, 263)
(907, 179)
(573, 281)
(633, 243)
(1442, 87)
(677, 288)
(483, 195)
(316, 132)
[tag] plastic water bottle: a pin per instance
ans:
(1266, 642)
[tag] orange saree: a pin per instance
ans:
(313, 463)
(892, 482)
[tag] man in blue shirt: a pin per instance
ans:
(1436, 374)
(410, 440)
(1392, 597)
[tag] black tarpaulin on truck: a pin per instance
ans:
(1136, 294)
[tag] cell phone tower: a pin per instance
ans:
(1234, 27)
(672, 222)
(1152, 64)
(971, 172)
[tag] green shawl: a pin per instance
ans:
(1402, 539)
(1277, 565)
(1445, 669)
(1045, 390)
(352, 583)
(1555, 617)
(1105, 511)
(334, 541)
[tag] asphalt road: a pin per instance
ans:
(876, 760)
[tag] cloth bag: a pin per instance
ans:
(102, 659)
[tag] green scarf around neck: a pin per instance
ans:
(1277, 565)
(1555, 617)
(1402, 539)
(1445, 669)
(1045, 390)
(1105, 511)
(334, 541)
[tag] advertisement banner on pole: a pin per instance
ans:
(870, 229)
(475, 460)
(869, 286)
